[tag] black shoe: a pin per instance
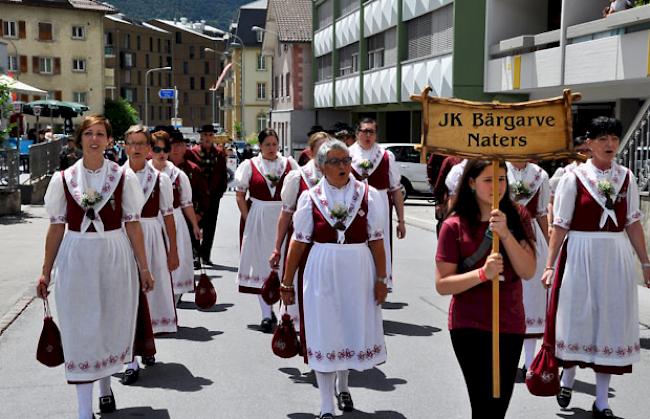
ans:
(207, 261)
(274, 319)
(197, 264)
(344, 400)
(267, 325)
(521, 374)
(149, 360)
(564, 397)
(130, 376)
(326, 416)
(107, 403)
(605, 413)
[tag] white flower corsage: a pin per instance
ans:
(339, 213)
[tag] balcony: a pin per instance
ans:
(347, 90)
(324, 94)
(611, 51)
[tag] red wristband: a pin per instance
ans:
(481, 275)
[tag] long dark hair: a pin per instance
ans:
(466, 206)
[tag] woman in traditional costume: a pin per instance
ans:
(529, 188)
(262, 178)
(372, 163)
(465, 268)
(183, 276)
(156, 217)
(296, 182)
(93, 266)
(345, 277)
(597, 323)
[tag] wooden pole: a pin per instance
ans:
(496, 367)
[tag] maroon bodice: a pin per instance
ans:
(380, 178)
(531, 206)
(587, 213)
(152, 206)
(176, 186)
(110, 214)
(355, 234)
(258, 188)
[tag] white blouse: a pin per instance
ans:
(291, 185)
(565, 198)
(303, 222)
(185, 187)
(244, 171)
(56, 204)
(394, 176)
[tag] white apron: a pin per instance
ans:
(183, 276)
(343, 323)
(533, 290)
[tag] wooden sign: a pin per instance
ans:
(521, 131)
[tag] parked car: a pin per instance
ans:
(414, 174)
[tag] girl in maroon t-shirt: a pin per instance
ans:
(464, 268)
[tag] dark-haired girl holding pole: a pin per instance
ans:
(464, 269)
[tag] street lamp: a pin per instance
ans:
(241, 83)
(214, 91)
(146, 92)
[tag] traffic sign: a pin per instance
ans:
(166, 93)
(37, 110)
(177, 122)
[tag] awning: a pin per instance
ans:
(20, 87)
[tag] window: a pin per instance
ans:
(108, 44)
(150, 44)
(286, 84)
(13, 63)
(375, 48)
(80, 97)
(160, 61)
(191, 52)
(202, 83)
(44, 31)
(201, 53)
(127, 41)
(78, 32)
(275, 87)
(137, 42)
(186, 67)
(128, 60)
(10, 29)
(191, 83)
(127, 77)
(349, 59)
(79, 64)
(146, 60)
(348, 6)
(186, 98)
(431, 34)
(261, 91)
(324, 67)
(324, 14)
(139, 77)
(45, 65)
(179, 38)
(262, 122)
(260, 36)
(206, 67)
(206, 99)
(159, 45)
(261, 62)
(168, 46)
(159, 79)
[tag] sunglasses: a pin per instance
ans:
(336, 162)
(157, 149)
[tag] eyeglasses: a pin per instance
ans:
(336, 162)
(368, 131)
(135, 145)
(157, 149)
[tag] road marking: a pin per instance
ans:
(15, 312)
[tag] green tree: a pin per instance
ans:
(121, 115)
(5, 111)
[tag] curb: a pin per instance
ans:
(15, 312)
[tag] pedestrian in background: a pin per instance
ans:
(464, 270)
(261, 178)
(156, 216)
(345, 279)
(70, 153)
(306, 155)
(345, 133)
(596, 210)
(215, 173)
(183, 276)
(93, 266)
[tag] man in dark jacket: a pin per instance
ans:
(215, 173)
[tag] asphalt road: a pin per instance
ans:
(220, 366)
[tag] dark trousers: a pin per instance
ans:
(473, 350)
(209, 226)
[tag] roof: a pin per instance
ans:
(259, 4)
(121, 18)
(88, 5)
(180, 25)
(293, 19)
(247, 18)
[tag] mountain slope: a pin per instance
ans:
(218, 13)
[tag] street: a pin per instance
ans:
(219, 365)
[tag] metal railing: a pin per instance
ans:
(9, 170)
(44, 159)
(634, 151)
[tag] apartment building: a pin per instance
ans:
(197, 51)
(58, 46)
(133, 52)
(248, 92)
(287, 41)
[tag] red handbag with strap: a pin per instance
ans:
(271, 288)
(543, 377)
(49, 351)
(205, 296)
(285, 342)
